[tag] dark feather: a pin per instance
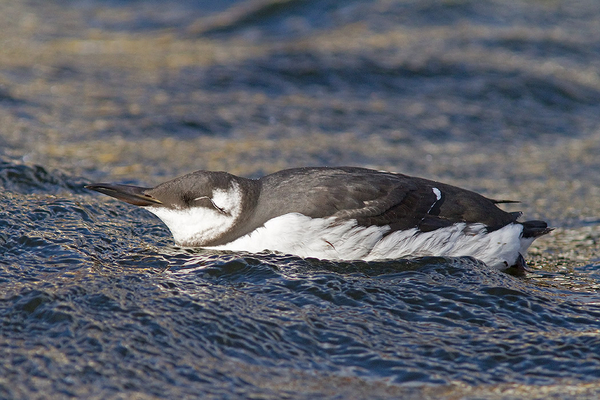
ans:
(375, 198)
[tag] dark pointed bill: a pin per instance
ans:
(130, 194)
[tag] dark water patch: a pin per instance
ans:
(26, 179)
(540, 106)
(61, 73)
(407, 305)
(191, 126)
(555, 93)
(8, 99)
(577, 51)
(593, 270)
(285, 73)
(291, 19)
(44, 235)
(287, 19)
(142, 16)
(435, 13)
(275, 19)
(489, 13)
(284, 20)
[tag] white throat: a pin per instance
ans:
(196, 226)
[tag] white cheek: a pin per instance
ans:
(197, 226)
(194, 226)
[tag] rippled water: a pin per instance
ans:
(97, 302)
(501, 97)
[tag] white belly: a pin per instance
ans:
(328, 238)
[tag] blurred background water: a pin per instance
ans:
(501, 97)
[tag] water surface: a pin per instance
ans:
(97, 302)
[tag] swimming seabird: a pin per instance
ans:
(344, 213)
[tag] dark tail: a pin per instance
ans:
(533, 229)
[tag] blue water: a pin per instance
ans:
(96, 300)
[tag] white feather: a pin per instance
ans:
(329, 238)
(498, 249)
(310, 237)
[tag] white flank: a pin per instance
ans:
(498, 249)
(329, 238)
(195, 225)
(303, 236)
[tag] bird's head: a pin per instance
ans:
(197, 208)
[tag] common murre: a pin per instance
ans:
(344, 213)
